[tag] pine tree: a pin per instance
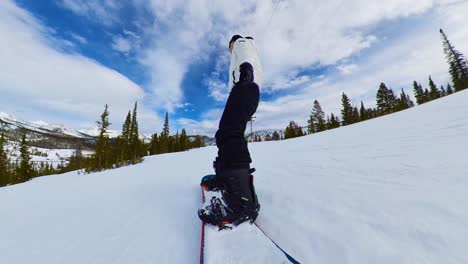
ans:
(154, 145)
(385, 100)
(183, 140)
(198, 142)
(356, 116)
(176, 142)
(311, 126)
(4, 173)
(166, 125)
(434, 93)
(276, 136)
(458, 66)
(449, 89)
(124, 143)
(427, 96)
(293, 130)
(442, 91)
(418, 93)
(317, 118)
(76, 161)
(404, 102)
(102, 151)
(363, 112)
(135, 143)
(334, 122)
(25, 170)
(347, 111)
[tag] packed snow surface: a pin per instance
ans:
(389, 190)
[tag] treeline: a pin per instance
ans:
(23, 169)
(126, 149)
(386, 100)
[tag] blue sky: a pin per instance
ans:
(65, 59)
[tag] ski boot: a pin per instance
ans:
(211, 182)
(238, 204)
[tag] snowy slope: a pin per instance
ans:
(390, 190)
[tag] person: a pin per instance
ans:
(233, 175)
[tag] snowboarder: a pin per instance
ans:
(232, 166)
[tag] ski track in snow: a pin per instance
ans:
(389, 190)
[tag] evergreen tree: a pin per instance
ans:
(356, 116)
(449, 89)
(124, 143)
(176, 142)
(166, 125)
(363, 112)
(385, 100)
(102, 151)
(25, 170)
(418, 93)
(198, 142)
(458, 66)
(334, 122)
(347, 111)
(183, 140)
(135, 143)
(76, 161)
(442, 91)
(4, 173)
(154, 145)
(311, 126)
(276, 136)
(404, 102)
(293, 130)
(164, 138)
(434, 93)
(317, 118)
(427, 95)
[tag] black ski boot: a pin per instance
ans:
(238, 204)
(212, 182)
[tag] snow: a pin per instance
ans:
(217, 242)
(40, 126)
(50, 156)
(389, 190)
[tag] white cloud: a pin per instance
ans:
(79, 38)
(292, 35)
(411, 55)
(347, 68)
(46, 80)
(121, 44)
(98, 10)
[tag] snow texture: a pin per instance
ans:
(224, 246)
(389, 190)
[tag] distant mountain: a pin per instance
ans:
(264, 134)
(208, 141)
(43, 135)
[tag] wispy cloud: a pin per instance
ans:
(80, 39)
(45, 79)
(97, 10)
(121, 44)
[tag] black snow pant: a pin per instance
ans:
(232, 146)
